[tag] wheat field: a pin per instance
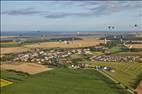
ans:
(13, 50)
(71, 44)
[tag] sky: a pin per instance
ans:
(70, 15)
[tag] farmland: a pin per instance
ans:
(61, 81)
(4, 82)
(138, 46)
(74, 44)
(13, 50)
(68, 47)
(125, 73)
(8, 44)
(30, 68)
(65, 80)
(7, 36)
(117, 50)
(137, 53)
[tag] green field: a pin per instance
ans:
(6, 45)
(117, 50)
(126, 73)
(97, 53)
(61, 81)
(137, 53)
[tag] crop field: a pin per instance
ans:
(8, 44)
(7, 36)
(30, 68)
(139, 46)
(97, 53)
(61, 81)
(137, 53)
(13, 50)
(4, 82)
(125, 73)
(74, 44)
(118, 51)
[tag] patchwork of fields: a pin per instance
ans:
(74, 44)
(61, 81)
(69, 81)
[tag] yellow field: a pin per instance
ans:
(7, 42)
(74, 44)
(4, 82)
(7, 36)
(13, 50)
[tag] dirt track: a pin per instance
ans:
(139, 89)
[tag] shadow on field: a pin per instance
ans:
(19, 72)
(13, 78)
(16, 75)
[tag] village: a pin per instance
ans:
(63, 57)
(52, 57)
(112, 58)
(44, 56)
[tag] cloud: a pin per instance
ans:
(114, 6)
(27, 11)
(62, 15)
(139, 15)
(96, 8)
(56, 15)
(61, 9)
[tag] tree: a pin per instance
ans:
(111, 44)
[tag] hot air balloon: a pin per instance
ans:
(113, 27)
(135, 25)
(109, 27)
